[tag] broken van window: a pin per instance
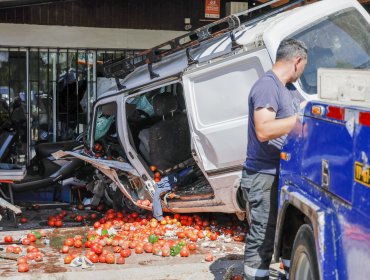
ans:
(105, 117)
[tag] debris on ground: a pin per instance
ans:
(114, 236)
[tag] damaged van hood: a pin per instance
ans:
(101, 164)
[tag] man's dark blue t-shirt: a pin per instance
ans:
(269, 92)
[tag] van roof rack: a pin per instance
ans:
(119, 69)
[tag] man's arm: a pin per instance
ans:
(267, 127)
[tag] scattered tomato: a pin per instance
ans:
(9, 249)
(26, 241)
(23, 220)
(8, 239)
(22, 260)
(184, 252)
(77, 243)
(209, 257)
(68, 259)
(69, 242)
(110, 259)
(23, 267)
(17, 250)
(126, 253)
(65, 249)
(58, 223)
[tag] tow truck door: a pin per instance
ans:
(217, 102)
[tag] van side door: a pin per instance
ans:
(217, 102)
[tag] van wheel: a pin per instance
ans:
(304, 261)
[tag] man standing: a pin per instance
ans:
(273, 106)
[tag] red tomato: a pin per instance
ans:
(180, 234)
(117, 249)
(87, 244)
(9, 249)
(201, 235)
(148, 247)
(126, 253)
(184, 252)
(165, 251)
(34, 250)
(58, 223)
(79, 218)
(120, 260)
(153, 168)
(93, 216)
(31, 237)
(78, 244)
(30, 248)
(139, 249)
(94, 258)
(236, 277)
(110, 259)
(213, 236)
(8, 239)
(68, 259)
(38, 257)
(238, 238)
(23, 220)
(96, 225)
(22, 260)
(96, 248)
(156, 179)
(65, 249)
(69, 242)
(51, 223)
(23, 267)
(102, 258)
(193, 238)
(26, 241)
(192, 246)
(31, 256)
(209, 257)
(17, 250)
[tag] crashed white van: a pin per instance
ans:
(183, 106)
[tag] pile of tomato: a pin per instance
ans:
(117, 235)
(174, 235)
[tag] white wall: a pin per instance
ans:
(81, 37)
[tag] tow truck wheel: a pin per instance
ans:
(304, 260)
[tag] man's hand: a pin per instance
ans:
(267, 127)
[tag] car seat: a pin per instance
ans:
(167, 142)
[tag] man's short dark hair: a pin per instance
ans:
(290, 48)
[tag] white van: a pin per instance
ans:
(184, 109)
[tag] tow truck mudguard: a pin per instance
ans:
(294, 200)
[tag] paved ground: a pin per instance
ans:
(228, 258)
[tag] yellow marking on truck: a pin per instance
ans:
(362, 175)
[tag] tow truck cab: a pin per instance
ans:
(324, 223)
(186, 111)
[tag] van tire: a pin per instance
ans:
(304, 264)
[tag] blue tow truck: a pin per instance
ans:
(324, 204)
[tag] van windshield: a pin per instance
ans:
(341, 40)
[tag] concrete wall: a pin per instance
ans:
(26, 35)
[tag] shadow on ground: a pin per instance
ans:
(223, 268)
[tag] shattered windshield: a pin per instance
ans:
(105, 117)
(341, 40)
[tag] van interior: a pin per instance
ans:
(159, 131)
